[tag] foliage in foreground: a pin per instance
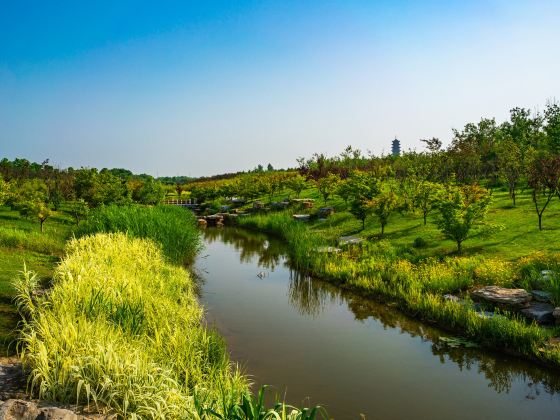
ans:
(172, 227)
(121, 329)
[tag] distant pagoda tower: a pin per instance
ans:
(396, 147)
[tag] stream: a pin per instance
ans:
(318, 344)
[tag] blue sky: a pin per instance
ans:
(196, 88)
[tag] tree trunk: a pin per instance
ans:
(459, 247)
(382, 229)
(540, 220)
(425, 215)
(41, 221)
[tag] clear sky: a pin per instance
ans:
(197, 88)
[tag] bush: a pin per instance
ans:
(420, 243)
(494, 271)
(174, 228)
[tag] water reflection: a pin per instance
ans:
(250, 245)
(310, 297)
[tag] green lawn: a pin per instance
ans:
(520, 235)
(12, 260)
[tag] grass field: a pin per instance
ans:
(519, 234)
(22, 243)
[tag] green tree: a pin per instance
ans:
(544, 181)
(151, 192)
(383, 206)
(297, 184)
(4, 191)
(361, 187)
(272, 185)
(552, 127)
(359, 208)
(426, 196)
(510, 165)
(79, 210)
(461, 209)
(31, 201)
(327, 186)
(345, 190)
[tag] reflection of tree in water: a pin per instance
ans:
(311, 296)
(307, 297)
(270, 253)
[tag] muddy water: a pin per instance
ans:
(318, 345)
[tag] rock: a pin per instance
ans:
(325, 212)
(328, 250)
(16, 409)
(258, 205)
(451, 298)
(556, 315)
(302, 217)
(485, 314)
(546, 274)
(349, 240)
(540, 312)
(55, 413)
(503, 296)
(202, 223)
(541, 296)
(19, 409)
(308, 204)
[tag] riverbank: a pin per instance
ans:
(118, 328)
(121, 329)
(378, 270)
(297, 333)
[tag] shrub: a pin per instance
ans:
(174, 228)
(494, 271)
(420, 243)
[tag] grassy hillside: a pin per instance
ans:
(21, 243)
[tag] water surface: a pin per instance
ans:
(319, 345)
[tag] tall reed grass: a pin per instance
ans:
(121, 329)
(174, 228)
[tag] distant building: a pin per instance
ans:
(396, 147)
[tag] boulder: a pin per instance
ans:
(503, 296)
(451, 298)
(349, 240)
(546, 274)
(202, 223)
(541, 296)
(325, 212)
(541, 312)
(302, 217)
(328, 250)
(556, 315)
(29, 410)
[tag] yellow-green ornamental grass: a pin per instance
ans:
(122, 329)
